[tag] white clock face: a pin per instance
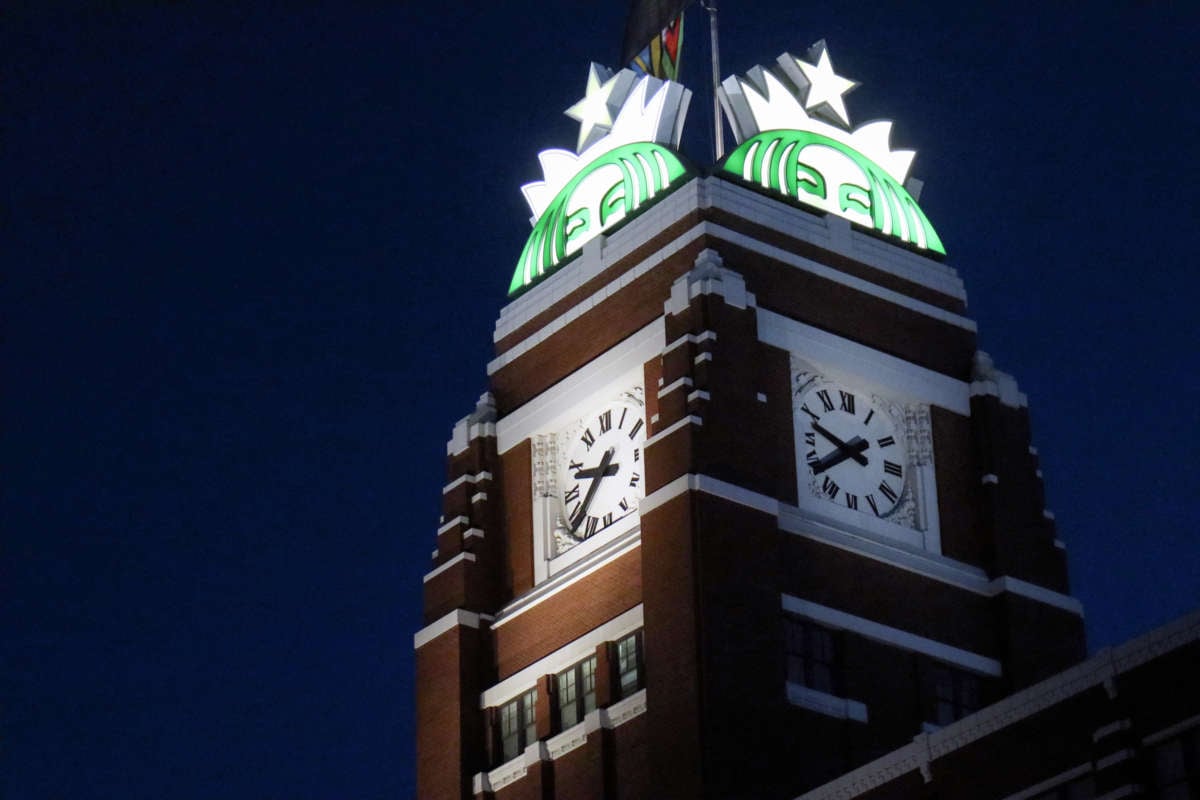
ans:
(852, 449)
(600, 479)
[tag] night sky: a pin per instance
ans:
(253, 253)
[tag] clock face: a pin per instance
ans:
(852, 448)
(600, 477)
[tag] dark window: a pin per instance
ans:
(576, 692)
(956, 694)
(630, 676)
(811, 656)
(517, 728)
(1177, 767)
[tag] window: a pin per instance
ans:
(811, 656)
(956, 694)
(629, 665)
(517, 728)
(1177, 767)
(576, 692)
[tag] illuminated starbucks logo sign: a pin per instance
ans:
(794, 139)
(629, 126)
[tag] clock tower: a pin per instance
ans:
(744, 507)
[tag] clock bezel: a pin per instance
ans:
(914, 520)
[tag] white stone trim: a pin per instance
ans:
(848, 361)
(829, 232)
(1063, 777)
(827, 704)
(708, 276)
(461, 479)
(559, 745)
(698, 394)
(463, 556)
(621, 711)
(570, 575)
(459, 520)
(987, 381)
(456, 618)
(760, 397)
(1108, 730)
(843, 278)
(833, 618)
(894, 553)
(1114, 758)
(690, 419)
(611, 372)
(1128, 790)
(700, 359)
(1032, 591)
(697, 232)
(675, 384)
(691, 338)
(572, 738)
(473, 533)
(1172, 731)
(477, 497)
(573, 652)
(990, 479)
(1104, 667)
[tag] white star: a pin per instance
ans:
(604, 95)
(825, 86)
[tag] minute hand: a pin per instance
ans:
(851, 452)
(579, 515)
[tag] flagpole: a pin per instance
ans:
(718, 130)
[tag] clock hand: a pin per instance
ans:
(852, 449)
(592, 472)
(580, 513)
(840, 445)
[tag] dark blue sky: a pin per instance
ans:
(253, 254)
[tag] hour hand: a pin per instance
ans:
(853, 449)
(594, 472)
(854, 452)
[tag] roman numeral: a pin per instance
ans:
(852, 501)
(887, 441)
(590, 526)
(633, 432)
(587, 438)
(811, 457)
(624, 504)
(575, 465)
(870, 414)
(871, 503)
(830, 487)
(891, 468)
(637, 454)
(633, 480)
(847, 402)
(888, 492)
(572, 494)
(808, 411)
(607, 519)
(621, 421)
(810, 439)
(576, 515)
(825, 399)
(605, 422)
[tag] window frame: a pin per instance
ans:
(579, 704)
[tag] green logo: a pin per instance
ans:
(598, 197)
(823, 172)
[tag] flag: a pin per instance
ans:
(653, 34)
